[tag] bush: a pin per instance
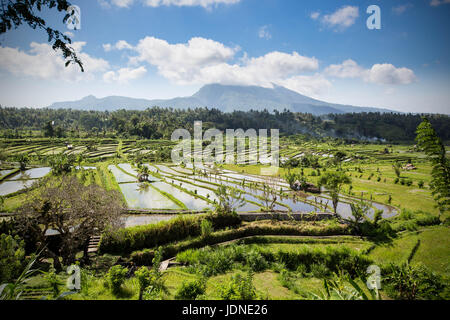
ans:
(409, 220)
(413, 282)
(191, 290)
(420, 184)
(396, 180)
(206, 227)
(143, 275)
(130, 239)
(409, 182)
(115, 277)
(12, 257)
(238, 288)
(321, 228)
(255, 261)
(319, 270)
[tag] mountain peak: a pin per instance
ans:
(227, 98)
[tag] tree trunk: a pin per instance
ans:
(56, 263)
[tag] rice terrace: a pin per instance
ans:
(252, 188)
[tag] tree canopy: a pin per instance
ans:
(26, 12)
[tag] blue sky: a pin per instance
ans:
(168, 48)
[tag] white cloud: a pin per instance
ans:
(201, 61)
(263, 33)
(402, 8)
(44, 63)
(312, 86)
(315, 15)
(384, 73)
(435, 3)
(388, 74)
(69, 34)
(107, 47)
(181, 62)
(124, 75)
(122, 3)
(347, 69)
(341, 18)
(188, 3)
(157, 3)
(120, 45)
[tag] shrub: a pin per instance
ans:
(191, 290)
(409, 182)
(420, 184)
(396, 180)
(413, 282)
(238, 288)
(287, 280)
(255, 261)
(130, 239)
(115, 277)
(12, 257)
(409, 220)
(320, 228)
(143, 275)
(206, 227)
(302, 270)
(319, 270)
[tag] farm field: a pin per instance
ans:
(172, 193)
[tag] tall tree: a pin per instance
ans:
(16, 13)
(333, 182)
(76, 212)
(431, 144)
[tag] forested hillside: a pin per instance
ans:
(160, 123)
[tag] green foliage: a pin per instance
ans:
(230, 199)
(333, 182)
(143, 275)
(408, 282)
(255, 261)
(397, 169)
(292, 177)
(12, 257)
(126, 240)
(62, 163)
(190, 290)
(21, 12)
(144, 257)
(156, 287)
(428, 140)
(321, 262)
(13, 290)
(342, 287)
(409, 220)
(238, 288)
(115, 277)
(52, 278)
(207, 228)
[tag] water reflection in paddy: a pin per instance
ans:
(34, 173)
(8, 187)
(191, 202)
(120, 176)
(139, 196)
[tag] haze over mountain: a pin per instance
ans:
(225, 98)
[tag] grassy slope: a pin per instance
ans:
(434, 249)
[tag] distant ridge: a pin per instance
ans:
(223, 97)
